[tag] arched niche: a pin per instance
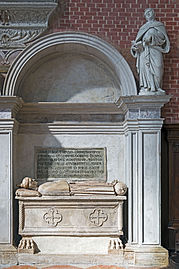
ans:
(70, 67)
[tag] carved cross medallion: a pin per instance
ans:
(53, 217)
(98, 217)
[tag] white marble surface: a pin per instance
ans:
(132, 144)
(72, 78)
(150, 43)
(24, 161)
(5, 187)
(72, 245)
(151, 184)
(68, 42)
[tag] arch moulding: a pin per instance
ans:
(66, 41)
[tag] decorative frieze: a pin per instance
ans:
(21, 22)
(5, 113)
(143, 107)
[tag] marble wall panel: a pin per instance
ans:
(25, 154)
(5, 212)
(5, 169)
(5, 223)
(72, 78)
(150, 188)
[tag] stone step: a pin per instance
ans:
(74, 267)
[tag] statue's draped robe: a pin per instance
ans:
(153, 38)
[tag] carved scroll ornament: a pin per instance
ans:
(22, 22)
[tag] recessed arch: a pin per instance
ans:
(66, 43)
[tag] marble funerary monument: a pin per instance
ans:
(71, 117)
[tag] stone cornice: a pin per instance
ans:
(22, 21)
(137, 101)
(9, 106)
(69, 112)
(69, 108)
(9, 125)
(142, 107)
(86, 128)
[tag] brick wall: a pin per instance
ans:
(118, 21)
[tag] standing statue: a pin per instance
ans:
(150, 43)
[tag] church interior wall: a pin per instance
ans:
(130, 140)
(117, 22)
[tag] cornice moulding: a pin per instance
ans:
(139, 101)
(23, 21)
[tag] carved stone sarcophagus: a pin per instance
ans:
(84, 214)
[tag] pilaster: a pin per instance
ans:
(8, 127)
(143, 125)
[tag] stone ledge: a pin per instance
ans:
(86, 261)
(74, 267)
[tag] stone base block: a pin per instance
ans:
(112, 248)
(8, 254)
(82, 261)
(149, 256)
(133, 258)
(130, 257)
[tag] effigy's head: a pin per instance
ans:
(149, 14)
(28, 183)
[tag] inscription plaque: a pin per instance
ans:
(70, 163)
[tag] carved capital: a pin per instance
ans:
(142, 107)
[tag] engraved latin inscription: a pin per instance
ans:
(63, 163)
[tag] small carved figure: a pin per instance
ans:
(28, 183)
(150, 43)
